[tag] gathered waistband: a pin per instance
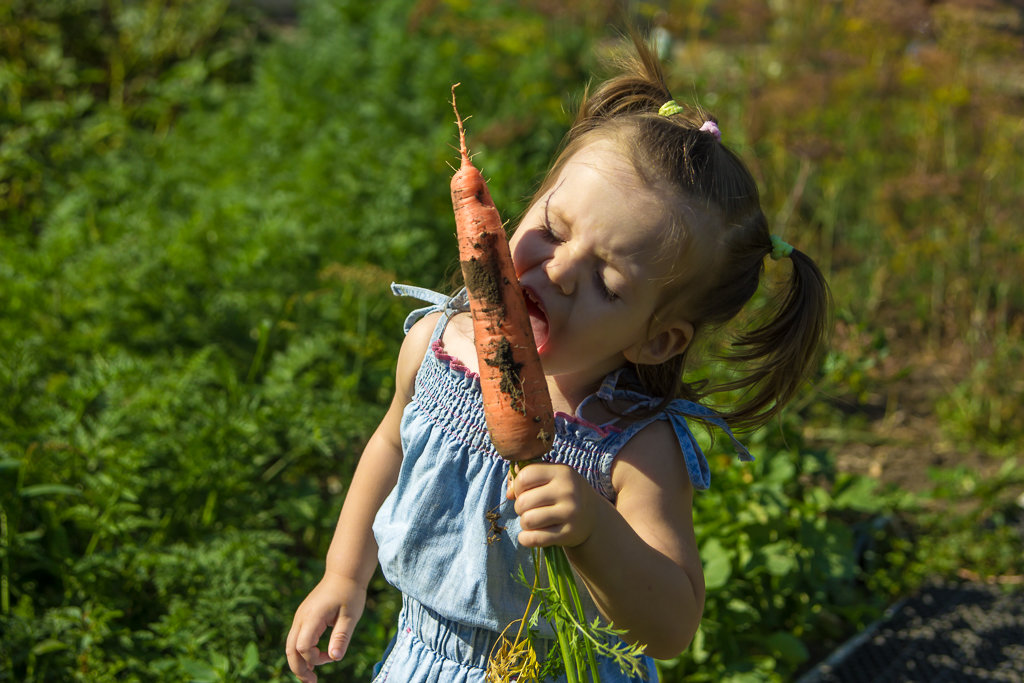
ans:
(470, 645)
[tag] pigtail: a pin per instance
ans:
(785, 349)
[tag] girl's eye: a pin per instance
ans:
(545, 226)
(549, 234)
(607, 293)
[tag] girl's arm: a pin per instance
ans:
(337, 600)
(639, 557)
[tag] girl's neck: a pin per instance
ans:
(569, 391)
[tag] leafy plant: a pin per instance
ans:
(784, 543)
(202, 215)
(77, 77)
(198, 336)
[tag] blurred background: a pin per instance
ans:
(202, 203)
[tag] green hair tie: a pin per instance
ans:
(780, 248)
(670, 108)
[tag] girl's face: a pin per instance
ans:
(591, 256)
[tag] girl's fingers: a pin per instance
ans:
(541, 538)
(543, 475)
(537, 474)
(534, 499)
(538, 492)
(296, 662)
(527, 478)
(299, 663)
(539, 518)
(313, 657)
(341, 636)
(303, 653)
(552, 505)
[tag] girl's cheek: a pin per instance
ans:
(525, 252)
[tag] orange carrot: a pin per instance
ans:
(517, 405)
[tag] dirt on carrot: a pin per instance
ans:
(511, 383)
(482, 282)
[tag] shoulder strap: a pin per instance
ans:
(676, 413)
(449, 305)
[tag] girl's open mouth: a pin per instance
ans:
(538, 318)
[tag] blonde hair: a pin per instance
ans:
(711, 182)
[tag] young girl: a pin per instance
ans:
(646, 232)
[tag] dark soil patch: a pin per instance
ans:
(946, 632)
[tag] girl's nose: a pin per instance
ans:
(561, 270)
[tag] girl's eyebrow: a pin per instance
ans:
(547, 201)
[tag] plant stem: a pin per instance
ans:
(581, 615)
(550, 562)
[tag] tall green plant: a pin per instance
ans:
(75, 77)
(198, 334)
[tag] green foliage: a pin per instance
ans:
(789, 550)
(202, 215)
(975, 541)
(76, 77)
(197, 333)
(578, 643)
(984, 407)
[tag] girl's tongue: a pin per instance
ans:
(538, 320)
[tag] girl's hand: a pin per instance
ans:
(333, 602)
(556, 506)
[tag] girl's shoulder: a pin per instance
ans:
(420, 332)
(646, 440)
(654, 434)
(414, 348)
(654, 456)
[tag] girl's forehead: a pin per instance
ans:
(601, 184)
(606, 166)
(600, 192)
(605, 159)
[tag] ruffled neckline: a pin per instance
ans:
(566, 424)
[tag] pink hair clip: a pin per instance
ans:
(712, 128)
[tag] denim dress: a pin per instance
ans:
(446, 533)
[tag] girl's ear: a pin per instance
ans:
(671, 341)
